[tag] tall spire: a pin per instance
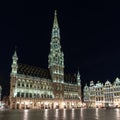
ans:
(78, 74)
(15, 53)
(14, 63)
(55, 23)
(55, 29)
(56, 56)
(78, 78)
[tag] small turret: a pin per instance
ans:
(14, 64)
(78, 79)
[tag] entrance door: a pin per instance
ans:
(18, 106)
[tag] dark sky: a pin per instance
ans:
(90, 35)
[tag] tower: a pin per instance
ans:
(13, 78)
(56, 56)
(78, 79)
(79, 85)
(14, 65)
(56, 61)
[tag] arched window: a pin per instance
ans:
(30, 85)
(38, 95)
(22, 95)
(34, 95)
(18, 84)
(18, 94)
(26, 95)
(50, 96)
(27, 85)
(30, 95)
(44, 95)
(41, 95)
(23, 84)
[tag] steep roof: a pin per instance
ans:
(33, 71)
(42, 73)
(69, 78)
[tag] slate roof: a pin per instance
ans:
(42, 73)
(69, 78)
(33, 71)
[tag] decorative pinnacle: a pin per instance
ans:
(15, 51)
(55, 12)
(78, 71)
(15, 54)
(55, 23)
(55, 27)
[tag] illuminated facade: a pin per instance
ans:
(36, 88)
(99, 95)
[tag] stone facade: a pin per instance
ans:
(102, 95)
(36, 88)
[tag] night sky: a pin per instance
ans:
(90, 35)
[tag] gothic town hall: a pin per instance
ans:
(36, 88)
